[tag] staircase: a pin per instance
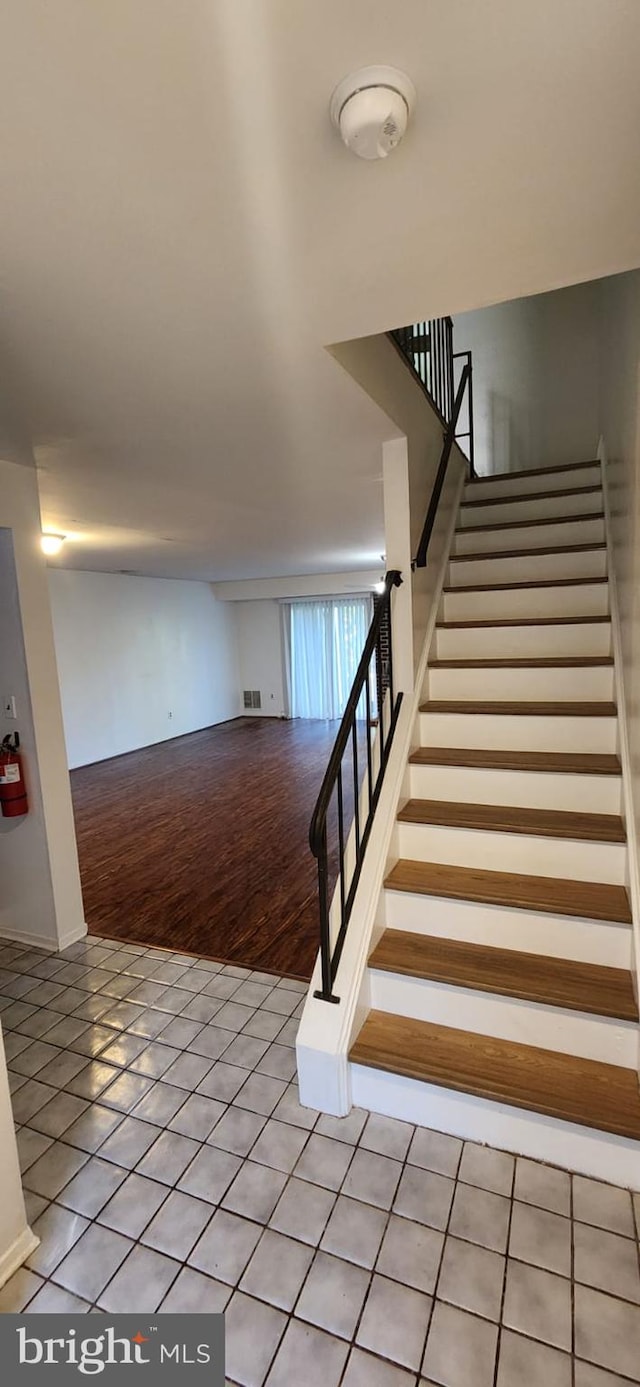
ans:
(500, 984)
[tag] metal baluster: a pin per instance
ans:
(356, 806)
(390, 657)
(341, 841)
(369, 762)
(323, 902)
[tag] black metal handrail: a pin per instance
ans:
(449, 440)
(332, 784)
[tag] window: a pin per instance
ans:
(326, 639)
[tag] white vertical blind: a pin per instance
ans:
(327, 637)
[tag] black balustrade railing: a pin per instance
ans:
(428, 350)
(446, 377)
(375, 724)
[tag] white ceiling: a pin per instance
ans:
(182, 233)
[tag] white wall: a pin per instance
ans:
(40, 896)
(619, 363)
(534, 379)
(131, 651)
(261, 655)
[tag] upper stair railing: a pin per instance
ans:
(432, 360)
(428, 349)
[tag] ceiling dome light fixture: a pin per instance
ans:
(370, 109)
(52, 544)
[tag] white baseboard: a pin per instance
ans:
(581, 1149)
(17, 1254)
(35, 941)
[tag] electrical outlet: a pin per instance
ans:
(169, 715)
(10, 707)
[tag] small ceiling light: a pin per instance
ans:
(52, 544)
(370, 109)
(380, 587)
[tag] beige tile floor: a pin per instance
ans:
(168, 1165)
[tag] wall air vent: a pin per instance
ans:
(252, 698)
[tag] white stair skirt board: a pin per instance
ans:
(535, 483)
(527, 854)
(582, 639)
(555, 1028)
(534, 508)
(581, 1149)
(519, 733)
(547, 684)
(587, 794)
(527, 568)
(16, 1255)
(563, 532)
(582, 599)
(508, 927)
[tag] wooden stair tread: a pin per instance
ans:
(562, 982)
(589, 900)
(528, 553)
(533, 472)
(539, 583)
(526, 662)
(564, 762)
(533, 496)
(499, 818)
(529, 524)
(521, 708)
(601, 1096)
(523, 621)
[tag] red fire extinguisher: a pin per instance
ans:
(13, 794)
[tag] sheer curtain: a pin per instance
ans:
(326, 639)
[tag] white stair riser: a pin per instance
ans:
(585, 599)
(523, 642)
(587, 794)
(582, 1149)
(529, 536)
(526, 854)
(589, 475)
(591, 1037)
(505, 927)
(577, 683)
(582, 563)
(512, 733)
(537, 508)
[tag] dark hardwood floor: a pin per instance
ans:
(200, 844)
